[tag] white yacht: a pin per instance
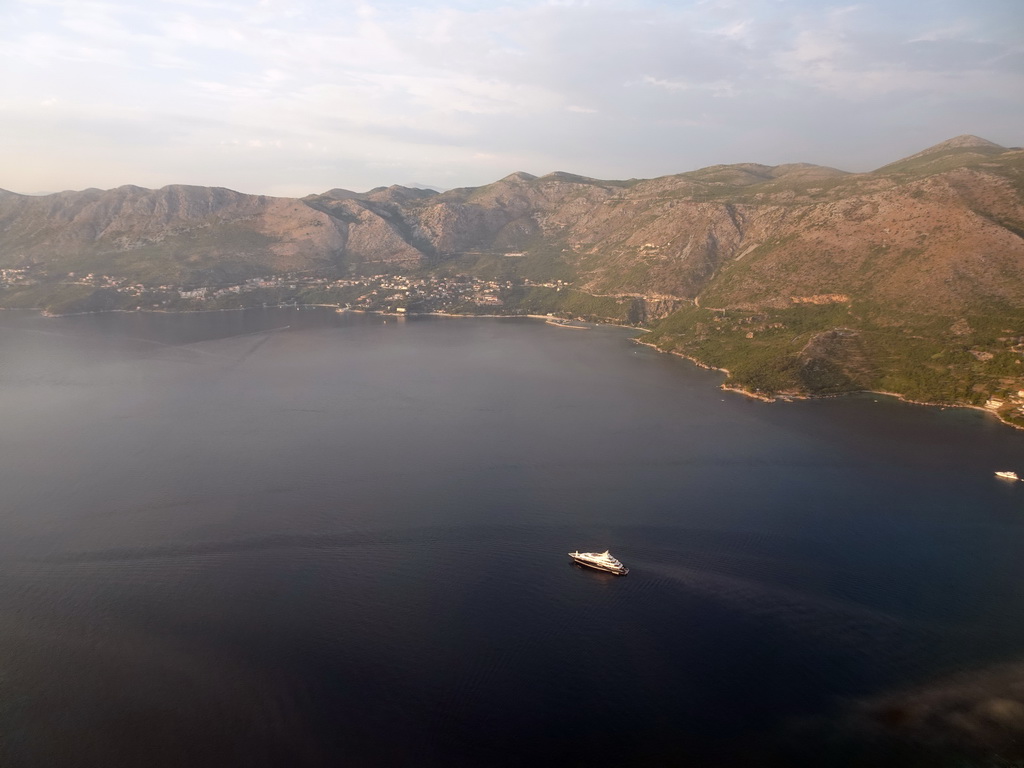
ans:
(602, 561)
(1007, 475)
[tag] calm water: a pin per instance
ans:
(299, 538)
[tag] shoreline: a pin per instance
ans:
(792, 396)
(549, 320)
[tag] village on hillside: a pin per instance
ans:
(372, 293)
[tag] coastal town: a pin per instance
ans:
(390, 293)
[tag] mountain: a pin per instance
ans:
(421, 185)
(950, 153)
(796, 277)
(177, 233)
(339, 194)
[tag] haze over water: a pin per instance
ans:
(280, 537)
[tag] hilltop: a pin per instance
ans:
(797, 278)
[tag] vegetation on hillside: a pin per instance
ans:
(795, 278)
(845, 347)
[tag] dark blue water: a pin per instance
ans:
(299, 538)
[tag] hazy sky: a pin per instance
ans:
(290, 97)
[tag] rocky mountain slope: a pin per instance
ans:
(942, 227)
(175, 233)
(918, 266)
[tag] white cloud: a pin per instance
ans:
(719, 88)
(462, 86)
(848, 53)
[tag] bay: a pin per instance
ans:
(295, 537)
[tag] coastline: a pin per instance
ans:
(573, 325)
(791, 396)
(549, 320)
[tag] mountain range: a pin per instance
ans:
(796, 278)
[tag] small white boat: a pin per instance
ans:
(602, 561)
(1007, 475)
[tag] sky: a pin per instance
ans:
(291, 97)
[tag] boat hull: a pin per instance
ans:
(597, 567)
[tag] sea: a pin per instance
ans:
(293, 537)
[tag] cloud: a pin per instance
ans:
(853, 51)
(718, 87)
(461, 87)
